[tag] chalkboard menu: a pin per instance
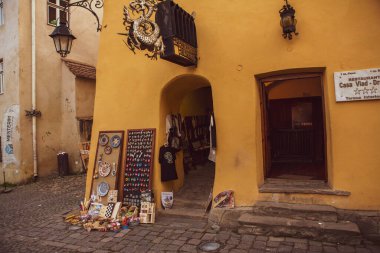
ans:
(139, 164)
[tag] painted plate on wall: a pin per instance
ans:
(108, 150)
(104, 169)
(103, 189)
(115, 141)
(103, 140)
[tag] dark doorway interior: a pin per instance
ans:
(295, 130)
(196, 110)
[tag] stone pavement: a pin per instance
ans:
(31, 221)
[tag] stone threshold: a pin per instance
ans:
(273, 185)
(192, 213)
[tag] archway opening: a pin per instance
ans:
(188, 128)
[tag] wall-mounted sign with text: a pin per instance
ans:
(179, 34)
(10, 134)
(357, 85)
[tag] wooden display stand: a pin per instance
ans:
(147, 213)
(138, 166)
(108, 155)
(84, 149)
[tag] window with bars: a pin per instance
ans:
(1, 77)
(1, 12)
(56, 10)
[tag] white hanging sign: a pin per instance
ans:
(357, 85)
(8, 131)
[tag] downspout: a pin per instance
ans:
(34, 117)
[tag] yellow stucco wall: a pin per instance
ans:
(236, 42)
(198, 102)
(296, 88)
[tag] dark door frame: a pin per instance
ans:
(282, 76)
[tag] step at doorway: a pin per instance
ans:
(193, 198)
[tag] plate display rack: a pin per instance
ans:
(107, 166)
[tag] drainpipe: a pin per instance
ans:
(34, 117)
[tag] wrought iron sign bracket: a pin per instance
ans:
(33, 113)
(89, 5)
(161, 28)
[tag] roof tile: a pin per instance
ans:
(80, 69)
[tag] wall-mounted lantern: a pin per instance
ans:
(288, 21)
(62, 36)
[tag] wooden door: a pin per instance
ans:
(292, 129)
(265, 128)
(317, 136)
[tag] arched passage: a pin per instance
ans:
(189, 96)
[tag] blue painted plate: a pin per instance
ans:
(103, 189)
(115, 141)
(103, 140)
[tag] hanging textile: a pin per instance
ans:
(194, 124)
(169, 123)
(180, 124)
(167, 159)
(212, 131)
(173, 131)
(176, 122)
(169, 129)
(212, 154)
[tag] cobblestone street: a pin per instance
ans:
(31, 221)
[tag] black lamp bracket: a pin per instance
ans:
(32, 113)
(90, 5)
(287, 6)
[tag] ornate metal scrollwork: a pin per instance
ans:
(288, 21)
(142, 32)
(90, 5)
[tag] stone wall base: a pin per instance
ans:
(367, 221)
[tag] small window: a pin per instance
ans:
(85, 128)
(1, 13)
(1, 77)
(55, 11)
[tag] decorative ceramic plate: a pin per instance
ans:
(104, 169)
(108, 150)
(115, 141)
(103, 189)
(103, 140)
